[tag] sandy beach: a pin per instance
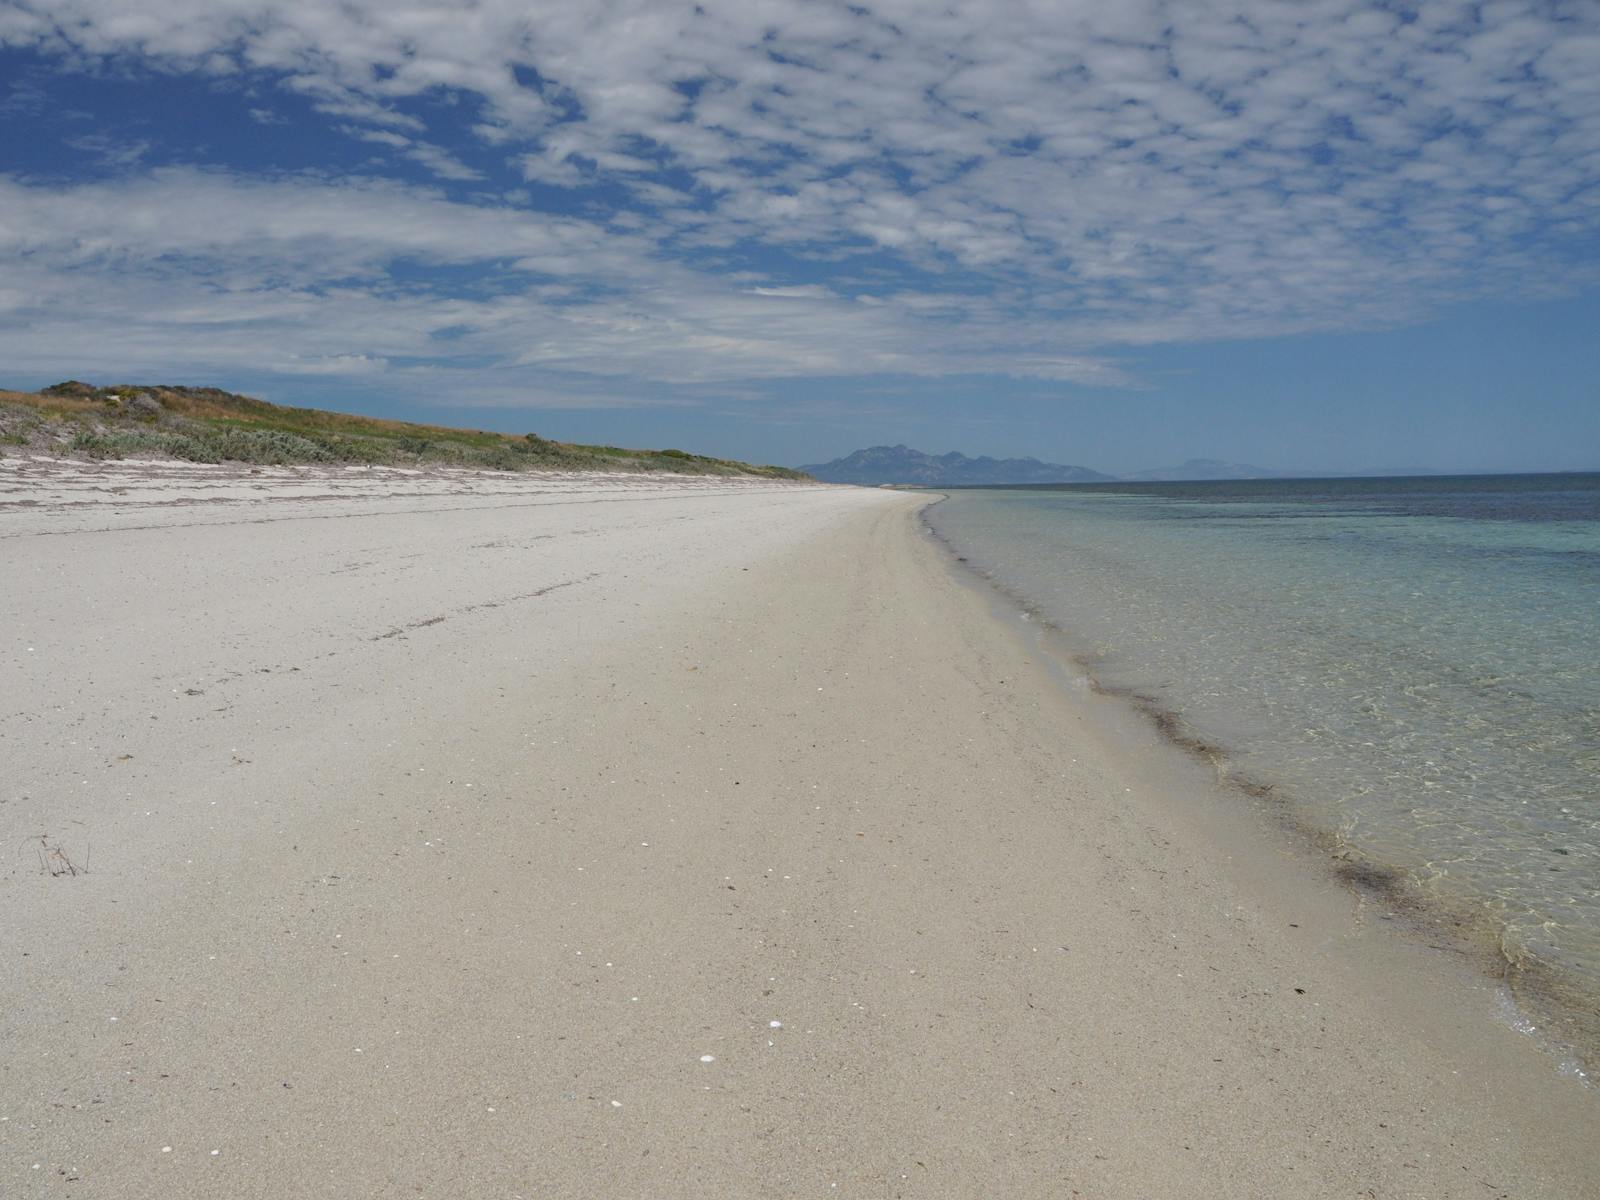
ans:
(465, 835)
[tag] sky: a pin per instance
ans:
(1312, 235)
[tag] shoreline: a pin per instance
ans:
(1536, 998)
(758, 857)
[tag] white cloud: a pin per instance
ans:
(207, 271)
(333, 364)
(436, 159)
(981, 186)
(809, 291)
(111, 151)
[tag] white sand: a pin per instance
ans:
(468, 835)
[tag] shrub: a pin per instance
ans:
(94, 444)
(360, 450)
(266, 446)
(181, 445)
(144, 406)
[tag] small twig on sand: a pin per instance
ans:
(53, 859)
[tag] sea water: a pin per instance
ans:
(1413, 665)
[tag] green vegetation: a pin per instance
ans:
(210, 425)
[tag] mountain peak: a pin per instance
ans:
(902, 464)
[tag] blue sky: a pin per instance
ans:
(1324, 234)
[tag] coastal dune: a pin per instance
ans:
(375, 833)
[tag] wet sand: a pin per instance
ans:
(460, 835)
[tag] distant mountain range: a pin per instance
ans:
(879, 465)
(901, 464)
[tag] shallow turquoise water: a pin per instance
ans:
(1414, 664)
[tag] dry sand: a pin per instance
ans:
(487, 836)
